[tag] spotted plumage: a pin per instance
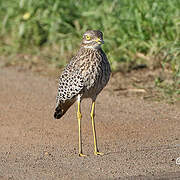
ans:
(85, 76)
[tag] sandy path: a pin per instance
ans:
(140, 139)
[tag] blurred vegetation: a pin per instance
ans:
(135, 31)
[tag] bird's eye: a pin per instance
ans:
(88, 37)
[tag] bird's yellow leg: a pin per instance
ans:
(79, 116)
(96, 151)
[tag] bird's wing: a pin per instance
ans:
(70, 84)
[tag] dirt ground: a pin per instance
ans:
(140, 138)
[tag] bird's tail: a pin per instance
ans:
(62, 108)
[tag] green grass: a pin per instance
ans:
(135, 31)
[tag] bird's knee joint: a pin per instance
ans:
(79, 115)
(92, 115)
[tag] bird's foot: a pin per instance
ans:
(82, 155)
(98, 153)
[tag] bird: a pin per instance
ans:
(87, 73)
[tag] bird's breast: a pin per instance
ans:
(96, 74)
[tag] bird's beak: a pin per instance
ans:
(99, 41)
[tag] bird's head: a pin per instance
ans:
(92, 39)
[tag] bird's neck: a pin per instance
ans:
(91, 46)
(90, 49)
